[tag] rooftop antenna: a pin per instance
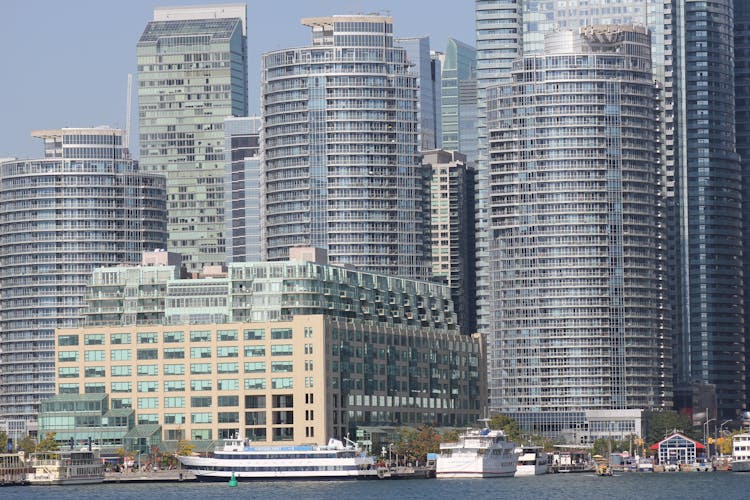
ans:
(126, 142)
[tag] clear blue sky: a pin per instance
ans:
(65, 62)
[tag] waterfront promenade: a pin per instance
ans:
(159, 476)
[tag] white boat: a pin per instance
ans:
(477, 453)
(741, 452)
(245, 462)
(532, 461)
(65, 467)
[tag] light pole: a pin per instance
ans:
(705, 434)
(720, 432)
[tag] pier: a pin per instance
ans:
(160, 476)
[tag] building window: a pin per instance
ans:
(281, 350)
(148, 354)
(200, 434)
(147, 338)
(200, 368)
(67, 356)
(93, 355)
(255, 401)
(148, 370)
(174, 418)
(282, 383)
(227, 352)
(201, 401)
(200, 352)
(95, 372)
(201, 385)
(174, 369)
(119, 355)
(255, 351)
(93, 339)
(228, 400)
(254, 384)
(173, 337)
(148, 418)
(229, 417)
(174, 353)
(174, 402)
(226, 335)
(200, 336)
(121, 387)
(119, 338)
(255, 418)
(95, 388)
(121, 371)
(174, 385)
(281, 366)
(66, 340)
(255, 334)
(67, 372)
(281, 333)
(148, 403)
(232, 384)
(69, 388)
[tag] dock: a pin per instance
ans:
(160, 476)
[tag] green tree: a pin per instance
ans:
(661, 423)
(48, 443)
(450, 436)
(3, 442)
(507, 425)
(27, 444)
(415, 444)
(184, 448)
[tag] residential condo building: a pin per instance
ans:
(339, 148)
(82, 206)
(577, 217)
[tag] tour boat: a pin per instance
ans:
(477, 453)
(741, 452)
(532, 461)
(237, 457)
(66, 467)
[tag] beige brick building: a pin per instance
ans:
(303, 380)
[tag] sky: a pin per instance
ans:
(66, 62)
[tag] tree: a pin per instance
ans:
(662, 423)
(507, 425)
(184, 448)
(48, 443)
(415, 444)
(450, 436)
(3, 442)
(27, 444)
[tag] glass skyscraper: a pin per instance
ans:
(418, 53)
(742, 127)
(339, 148)
(706, 204)
(192, 74)
(242, 188)
(83, 206)
(577, 222)
(458, 100)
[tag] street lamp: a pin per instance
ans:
(705, 433)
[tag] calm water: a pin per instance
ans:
(708, 485)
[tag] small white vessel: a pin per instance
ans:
(477, 453)
(237, 458)
(532, 461)
(65, 467)
(741, 452)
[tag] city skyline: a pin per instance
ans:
(84, 94)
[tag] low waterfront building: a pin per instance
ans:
(677, 449)
(295, 351)
(78, 418)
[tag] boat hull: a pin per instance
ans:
(64, 482)
(216, 476)
(471, 475)
(531, 470)
(741, 466)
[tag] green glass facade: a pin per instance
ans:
(192, 74)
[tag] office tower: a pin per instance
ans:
(576, 210)
(242, 188)
(339, 148)
(709, 345)
(192, 74)
(451, 200)
(499, 40)
(82, 206)
(458, 100)
(428, 89)
(742, 128)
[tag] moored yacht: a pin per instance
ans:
(532, 461)
(741, 452)
(64, 467)
(477, 453)
(237, 458)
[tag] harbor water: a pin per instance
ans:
(682, 486)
